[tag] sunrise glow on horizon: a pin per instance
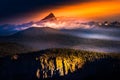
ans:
(100, 10)
(90, 10)
(94, 10)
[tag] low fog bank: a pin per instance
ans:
(96, 48)
(89, 37)
(87, 45)
(95, 33)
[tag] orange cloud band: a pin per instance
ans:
(89, 10)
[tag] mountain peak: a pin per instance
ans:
(51, 17)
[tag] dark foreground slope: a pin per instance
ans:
(60, 64)
(8, 48)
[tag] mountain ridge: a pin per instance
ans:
(51, 16)
(10, 29)
(37, 31)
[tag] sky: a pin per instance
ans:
(21, 11)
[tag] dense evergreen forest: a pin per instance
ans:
(60, 64)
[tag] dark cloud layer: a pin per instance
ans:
(10, 8)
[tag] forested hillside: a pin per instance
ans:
(60, 64)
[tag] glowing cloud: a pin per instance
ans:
(61, 23)
(90, 10)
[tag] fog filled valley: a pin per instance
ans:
(60, 50)
(38, 38)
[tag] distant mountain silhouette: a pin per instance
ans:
(50, 17)
(9, 29)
